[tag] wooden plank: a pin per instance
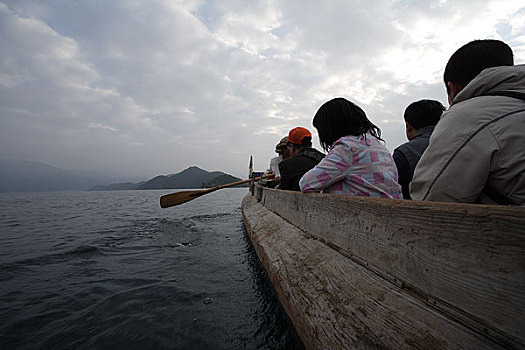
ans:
(258, 192)
(336, 303)
(467, 260)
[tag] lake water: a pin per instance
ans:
(107, 270)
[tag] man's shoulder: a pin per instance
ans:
(411, 146)
(312, 153)
(288, 162)
(401, 147)
(471, 116)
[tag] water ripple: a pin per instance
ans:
(99, 270)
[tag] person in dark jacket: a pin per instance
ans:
(303, 158)
(420, 119)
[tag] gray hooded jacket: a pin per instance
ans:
(478, 144)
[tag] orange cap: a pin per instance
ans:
(297, 135)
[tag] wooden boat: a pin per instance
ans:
(354, 272)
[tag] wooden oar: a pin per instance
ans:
(177, 198)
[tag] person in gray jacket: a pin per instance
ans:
(420, 119)
(476, 153)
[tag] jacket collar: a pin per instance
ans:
(510, 78)
(424, 131)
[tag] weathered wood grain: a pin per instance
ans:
(466, 260)
(336, 303)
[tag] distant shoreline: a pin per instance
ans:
(18, 176)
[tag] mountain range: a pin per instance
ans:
(27, 176)
(193, 177)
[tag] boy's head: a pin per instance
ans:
(470, 59)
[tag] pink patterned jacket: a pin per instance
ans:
(356, 166)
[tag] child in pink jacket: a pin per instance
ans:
(357, 163)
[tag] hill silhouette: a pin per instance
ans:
(192, 177)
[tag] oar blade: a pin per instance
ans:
(172, 199)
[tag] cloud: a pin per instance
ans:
(152, 87)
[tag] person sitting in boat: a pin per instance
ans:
(420, 119)
(357, 163)
(476, 152)
(303, 157)
(282, 150)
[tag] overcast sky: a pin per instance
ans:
(142, 88)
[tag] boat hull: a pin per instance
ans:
(363, 273)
